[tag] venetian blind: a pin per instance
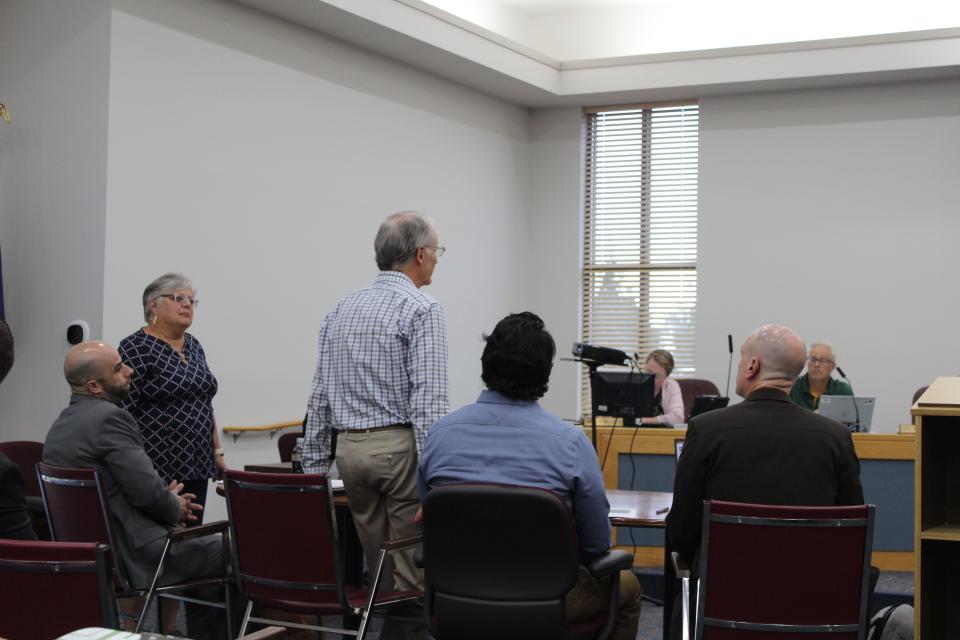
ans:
(640, 231)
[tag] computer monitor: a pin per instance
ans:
(855, 413)
(626, 395)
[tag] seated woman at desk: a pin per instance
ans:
(666, 391)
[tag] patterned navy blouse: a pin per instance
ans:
(171, 400)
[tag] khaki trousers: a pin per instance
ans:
(379, 472)
(588, 598)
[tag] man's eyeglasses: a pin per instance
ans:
(814, 360)
(179, 299)
(439, 250)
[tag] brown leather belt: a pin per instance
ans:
(388, 427)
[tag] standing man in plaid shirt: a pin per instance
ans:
(381, 381)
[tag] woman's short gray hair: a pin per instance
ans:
(399, 237)
(167, 283)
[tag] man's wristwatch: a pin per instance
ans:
(218, 452)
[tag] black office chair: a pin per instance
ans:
(498, 562)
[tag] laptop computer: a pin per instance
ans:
(854, 411)
(702, 404)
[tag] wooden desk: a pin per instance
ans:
(639, 508)
(886, 470)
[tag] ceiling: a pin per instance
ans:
(542, 53)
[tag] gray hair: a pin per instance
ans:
(167, 283)
(399, 237)
(827, 345)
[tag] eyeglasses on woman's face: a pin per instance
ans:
(180, 299)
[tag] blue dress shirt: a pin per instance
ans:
(504, 441)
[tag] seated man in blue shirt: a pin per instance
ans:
(507, 438)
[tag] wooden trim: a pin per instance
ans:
(894, 560)
(869, 446)
(885, 446)
(264, 427)
(883, 560)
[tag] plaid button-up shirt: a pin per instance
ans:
(382, 360)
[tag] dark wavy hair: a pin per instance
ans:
(518, 357)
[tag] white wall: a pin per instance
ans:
(54, 57)
(260, 159)
(835, 212)
(555, 251)
(832, 211)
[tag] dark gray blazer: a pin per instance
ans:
(765, 450)
(93, 432)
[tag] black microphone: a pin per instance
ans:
(730, 365)
(599, 355)
(856, 409)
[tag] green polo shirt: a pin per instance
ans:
(800, 393)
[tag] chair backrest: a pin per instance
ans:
(51, 588)
(766, 570)
(74, 505)
(498, 561)
(284, 539)
(690, 388)
(285, 444)
(25, 454)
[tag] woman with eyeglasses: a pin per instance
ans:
(817, 381)
(172, 389)
(666, 391)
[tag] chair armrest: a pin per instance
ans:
(680, 567)
(611, 561)
(195, 532)
(401, 543)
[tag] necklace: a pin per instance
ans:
(160, 335)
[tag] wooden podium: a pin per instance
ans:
(937, 526)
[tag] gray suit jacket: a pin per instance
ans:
(93, 432)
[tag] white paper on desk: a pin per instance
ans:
(623, 513)
(336, 484)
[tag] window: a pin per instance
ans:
(640, 231)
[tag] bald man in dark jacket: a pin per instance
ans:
(765, 450)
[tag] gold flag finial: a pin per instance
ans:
(4, 114)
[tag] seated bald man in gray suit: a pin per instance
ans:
(94, 432)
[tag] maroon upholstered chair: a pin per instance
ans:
(777, 571)
(25, 454)
(51, 588)
(294, 568)
(690, 388)
(285, 444)
(78, 510)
